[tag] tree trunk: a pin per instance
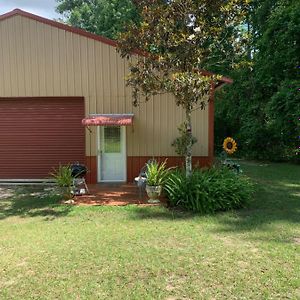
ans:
(188, 156)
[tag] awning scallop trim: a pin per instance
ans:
(108, 120)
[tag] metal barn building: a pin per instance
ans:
(56, 83)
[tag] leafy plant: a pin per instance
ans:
(262, 108)
(157, 173)
(181, 143)
(208, 191)
(181, 38)
(63, 178)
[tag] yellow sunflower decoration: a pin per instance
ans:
(229, 145)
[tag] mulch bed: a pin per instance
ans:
(115, 195)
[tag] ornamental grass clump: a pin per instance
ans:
(208, 190)
(157, 173)
(64, 180)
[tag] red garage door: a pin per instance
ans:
(37, 134)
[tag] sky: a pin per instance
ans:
(43, 8)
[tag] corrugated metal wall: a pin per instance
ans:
(40, 60)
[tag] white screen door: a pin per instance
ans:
(112, 153)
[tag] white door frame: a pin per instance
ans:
(123, 146)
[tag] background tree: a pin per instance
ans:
(180, 38)
(103, 17)
(262, 109)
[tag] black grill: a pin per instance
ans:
(78, 170)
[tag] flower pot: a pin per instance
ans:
(153, 192)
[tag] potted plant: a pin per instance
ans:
(156, 175)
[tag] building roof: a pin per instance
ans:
(102, 39)
(19, 12)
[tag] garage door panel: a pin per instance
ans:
(38, 134)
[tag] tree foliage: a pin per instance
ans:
(176, 40)
(262, 109)
(257, 43)
(103, 17)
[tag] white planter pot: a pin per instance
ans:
(153, 193)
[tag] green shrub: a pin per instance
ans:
(209, 190)
(63, 178)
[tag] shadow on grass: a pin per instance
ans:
(160, 213)
(277, 199)
(31, 201)
(267, 208)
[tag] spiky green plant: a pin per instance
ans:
(63, 178)
(157, 173)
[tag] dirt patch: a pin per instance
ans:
(91, 201)
(6, 192)
(296, 240)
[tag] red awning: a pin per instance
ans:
(108, 120)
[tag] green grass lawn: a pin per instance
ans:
(51, 251)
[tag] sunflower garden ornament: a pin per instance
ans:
(229, 145)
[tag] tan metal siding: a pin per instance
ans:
(40, 60)
(32, 140)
